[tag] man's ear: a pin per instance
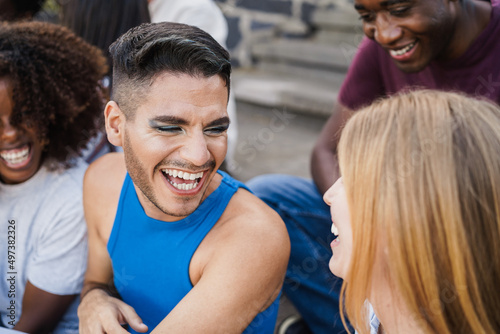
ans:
(115, 123)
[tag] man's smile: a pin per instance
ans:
(404, 52)
(182, 180)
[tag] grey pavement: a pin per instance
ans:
(274, 141)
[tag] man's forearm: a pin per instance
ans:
(41, 310)
(107, 288)
(324, 169)
(324, 163)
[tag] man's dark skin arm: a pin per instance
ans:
(324, 163)
(41, 310)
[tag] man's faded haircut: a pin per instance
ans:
(151, 49)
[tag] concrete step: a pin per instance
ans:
(332, 37)
(338, 20)
(304, 52)
(292, 28)
(330, 78)
(281, 91)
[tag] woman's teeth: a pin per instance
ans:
(17, 156)
(335, 231)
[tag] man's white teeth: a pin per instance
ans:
(183, 175)
(335, 231)
(402, 51)
(15, 157)
(184, 186)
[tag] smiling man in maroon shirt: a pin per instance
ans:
(434, 44)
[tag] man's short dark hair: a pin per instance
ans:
(151, 49)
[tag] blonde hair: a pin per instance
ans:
(422, 172)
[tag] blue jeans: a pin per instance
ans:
(309, 284)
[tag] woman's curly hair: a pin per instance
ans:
(55, 78)
(13, 10)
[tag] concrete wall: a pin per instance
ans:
(252, 21)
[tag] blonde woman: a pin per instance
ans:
(417, 213)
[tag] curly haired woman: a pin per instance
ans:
(50, 104)
(417, 214)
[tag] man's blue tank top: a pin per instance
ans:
(151, 257)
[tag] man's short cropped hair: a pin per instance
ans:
(151, 49)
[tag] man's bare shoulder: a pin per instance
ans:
(101, 188)
(249, 218)
(249, 246)
(106, 173)
(246, 206)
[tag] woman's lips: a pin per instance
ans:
(18, 157)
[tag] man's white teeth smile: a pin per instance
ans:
(17, 156)
(182, 175)
(184, 186)
(178, 175)
(402, 51)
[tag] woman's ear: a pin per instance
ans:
(115, 122)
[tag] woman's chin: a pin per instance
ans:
(334, 268)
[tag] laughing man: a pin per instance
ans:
(188, 248)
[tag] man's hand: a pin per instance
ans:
(100, 313)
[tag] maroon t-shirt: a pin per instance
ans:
(373, 74)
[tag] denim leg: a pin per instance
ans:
(309, 284)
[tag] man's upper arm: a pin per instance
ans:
(101, 190)
(243, 277)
